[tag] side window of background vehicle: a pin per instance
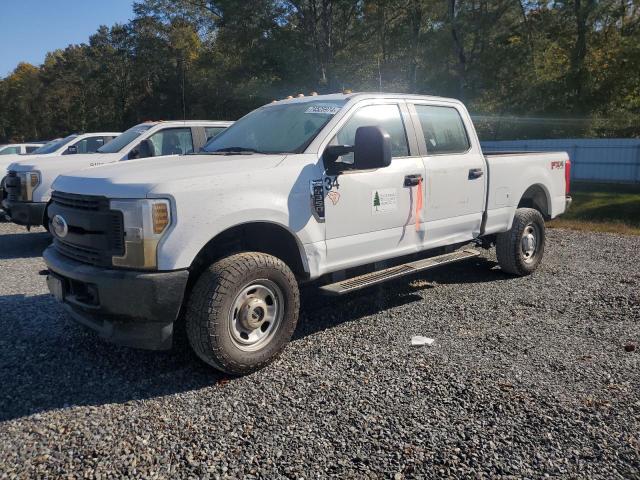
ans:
(213, 131)
(172, 141)
(89, 145)
(31, 149)
(10, 150)
(385, 116)
(443, 129)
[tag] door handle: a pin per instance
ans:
(412, 180)
(475, 173)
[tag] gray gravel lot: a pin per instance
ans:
(527, 377)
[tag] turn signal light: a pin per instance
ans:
(160, 215)
(34, 180)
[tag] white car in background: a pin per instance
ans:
(28, 182)
(20, 148)
(73, 144)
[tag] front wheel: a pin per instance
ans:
(520, 249)
(242, 312)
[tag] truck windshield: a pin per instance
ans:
(286, 128)
(54, 145)
(124, 139)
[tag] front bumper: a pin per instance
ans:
(30, 214)
(136, 309)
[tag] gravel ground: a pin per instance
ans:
(528, 377)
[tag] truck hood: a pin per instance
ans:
(137, 178)
(63, 163)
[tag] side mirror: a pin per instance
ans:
(372, 148)
(143, 150)
(72, 149)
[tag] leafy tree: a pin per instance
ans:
(526, 69)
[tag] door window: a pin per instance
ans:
(213, 131)
(89, 145)
(443, 129)
(385, 116)
(172, 141)
(31, 149)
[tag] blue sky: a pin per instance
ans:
(31, 28)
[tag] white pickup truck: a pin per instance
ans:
(28, 183)
(309, 189)
(71, 145)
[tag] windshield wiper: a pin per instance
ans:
(238, 150)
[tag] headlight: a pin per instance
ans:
(29, 181)
(145, 222)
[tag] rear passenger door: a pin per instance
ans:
(455, 178)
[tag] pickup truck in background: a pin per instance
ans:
(345, 190)
(70, 145)
(28, 182)
(20, 148)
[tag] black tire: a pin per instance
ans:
(513, 250)
(215, 332)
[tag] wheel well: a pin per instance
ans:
(255, 237)
(535, 197)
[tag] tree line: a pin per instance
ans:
(526, 69)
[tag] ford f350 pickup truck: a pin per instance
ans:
(301, 190)
(28, 183)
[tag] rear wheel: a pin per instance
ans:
(242, 312)
(520, 250)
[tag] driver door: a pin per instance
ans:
(371, 214)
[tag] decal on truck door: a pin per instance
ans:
(384, 200)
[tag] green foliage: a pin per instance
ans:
(526, 69)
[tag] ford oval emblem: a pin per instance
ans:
(60, 227)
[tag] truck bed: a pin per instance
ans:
(512, 175)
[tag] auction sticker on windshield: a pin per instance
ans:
(323, 109)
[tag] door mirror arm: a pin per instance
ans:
(331, 155)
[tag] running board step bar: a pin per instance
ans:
(369, 279)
